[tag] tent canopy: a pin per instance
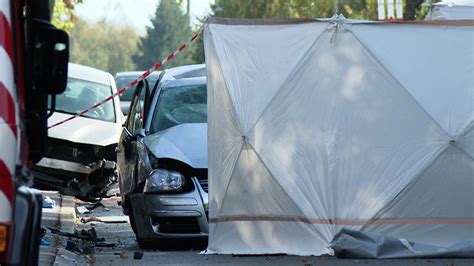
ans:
(316, 126)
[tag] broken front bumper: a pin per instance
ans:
(66, 166)
(171, 216)
(71, 178)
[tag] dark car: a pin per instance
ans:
(162, 158)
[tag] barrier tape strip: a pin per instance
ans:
(301, 219)
(135, 82)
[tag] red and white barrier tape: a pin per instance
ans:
(133, 83)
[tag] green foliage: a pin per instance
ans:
(105, 46)
(64, 15)
(170, 28)
(356, 9)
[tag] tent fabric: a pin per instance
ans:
(319, 126)
(357, 244)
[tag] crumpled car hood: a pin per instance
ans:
(84, 130)
(186, 143)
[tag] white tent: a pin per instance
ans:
(451, 10)
(315, 126)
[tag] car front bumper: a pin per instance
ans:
(171, 216)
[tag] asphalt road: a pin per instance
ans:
(122, 246)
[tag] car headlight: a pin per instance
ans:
(161, 180)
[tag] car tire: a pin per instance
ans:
(142, 243)
(131, 217)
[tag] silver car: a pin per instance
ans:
(162, 158)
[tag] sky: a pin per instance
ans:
(133, 12)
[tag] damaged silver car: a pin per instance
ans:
(80, 159)
(162, 158)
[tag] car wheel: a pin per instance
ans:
(142, 243)
(131, 217)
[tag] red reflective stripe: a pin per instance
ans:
(5, 36)
(182, 47)
(122, 90)
(144, 75)
(158, 65)
(300, 219)
(195, 36)
(133, 83)
(6, 181)
(170, 56)
(108, 98)
(7, 108)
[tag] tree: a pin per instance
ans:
(105, 46)
(64, 16)
(170, 27)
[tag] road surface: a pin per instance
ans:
(121, 248)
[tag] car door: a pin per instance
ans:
(126, 149)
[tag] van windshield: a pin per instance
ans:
(180, 105)
(82, 94)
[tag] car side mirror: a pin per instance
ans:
(51, 49)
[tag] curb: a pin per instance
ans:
(67, 216)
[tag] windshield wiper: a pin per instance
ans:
(63, 111)
(66, 112)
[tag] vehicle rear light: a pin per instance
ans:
(4, 236)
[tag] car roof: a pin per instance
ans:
(187, 71)
(184, 81)
(135, 74)
(88, 73)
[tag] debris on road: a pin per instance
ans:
(82, 210)
(95, 219)
(105, 245)
(137, 255)
(95, 205)
(123, 255)
(45, 242)
(72, 246)
(87, 235)
(48, 203)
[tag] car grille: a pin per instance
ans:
(176, 225)
(201, 175)
(204, 184)
(70, 151)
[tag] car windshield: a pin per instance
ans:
(82, 94)
(180, 105)
(128, 94)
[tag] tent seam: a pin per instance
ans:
(278, 184)
(440, 151)
(234, 112)
(230, 178)
(298, 63)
